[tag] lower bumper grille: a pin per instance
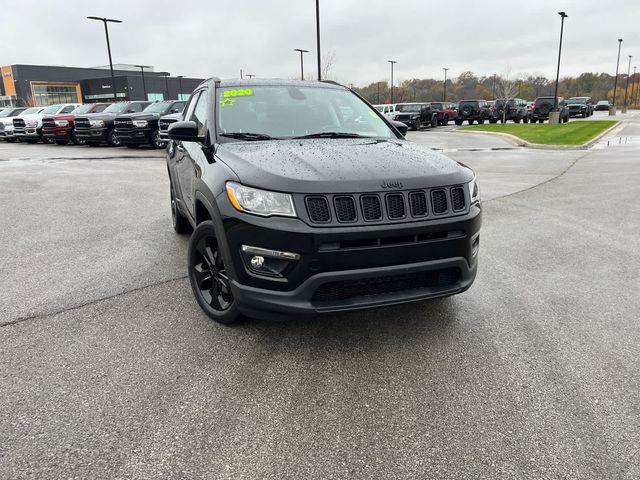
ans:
(379, 286)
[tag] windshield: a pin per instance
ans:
(294, 111)
(82, 109)
(577, 100)
(408, 108)
(31, 110)
(51, 109)
(159, 107)
(436, 105)
(116, 108)
(7, 112)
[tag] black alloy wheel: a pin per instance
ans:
(208, 275)
(112, 138)
(155, 139)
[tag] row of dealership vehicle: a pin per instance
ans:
(128, 124)
(418, 115)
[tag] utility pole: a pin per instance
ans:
(444, 93)
(626, 89)
(106, 32)
(391, 62)
(555, 98)
(615, 83)
(144, 84)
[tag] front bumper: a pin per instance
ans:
(95, 134)
(7, 132)
(26, 132)
(136, 136)
(57, 133)
(339, 270)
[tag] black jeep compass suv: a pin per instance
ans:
(305, 200)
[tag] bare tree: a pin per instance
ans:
(507, 88)
(327, 63)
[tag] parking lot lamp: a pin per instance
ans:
(144, 85)
(180, 77)
(635, 87)
(301, 61)
(626, 88)
(615, 82)
(563, 15)
(444, 92)
(106, 32)
(318, 38)
(391, 62)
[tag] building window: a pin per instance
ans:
(48, 94)
(184, 96)
(155, 97)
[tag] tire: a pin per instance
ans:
(44, 139)
(180, 223)
(480, 121)
(540, 120)
(470, 122)
(525, 119)
(584, 115)
(112, 138)
(445, 122)
(155, 141)
(458, 122)
(493, 120)
(434, 121)
(75, 140)
(516, 120)
(565, 119)
(208, 276)
(415, 126)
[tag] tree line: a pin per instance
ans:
(599, 86)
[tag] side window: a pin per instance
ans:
(191, 104)
(199, 114)
(67, 109)
(135, 107)
(177, 107)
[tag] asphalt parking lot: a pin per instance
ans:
(109, 369)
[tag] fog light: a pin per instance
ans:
(257, 261)
(264, 261)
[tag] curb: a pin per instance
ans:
(538, 146)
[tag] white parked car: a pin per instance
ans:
(6, 122)
(387, 109)
(28, 126)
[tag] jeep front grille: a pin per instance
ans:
(380, 207)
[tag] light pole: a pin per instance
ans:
(555, 98)
(626, 88)
(318, 38)
(391, 62)
(301, 60)
(180, 77)
(166, 83)
(240, 74)
(106, 32)
(144, 84)
(444, 93)
(635, 87)
(494, 86)
(615, 83)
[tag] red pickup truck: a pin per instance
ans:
(60, 128)
(446, 112)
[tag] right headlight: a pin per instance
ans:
(96, 123)
(260, 202)
(474, 191)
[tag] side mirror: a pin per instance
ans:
(184, 131)
(401, 127)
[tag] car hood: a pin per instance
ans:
(99, 116)
(33, 116)
(340, 165)
(141, 116)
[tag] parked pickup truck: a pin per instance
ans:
(97, 128)
(28, 128)
(142, 128)
(6, 122)
(416, 115)
(60, 128)
(163, 125)
(446, 112)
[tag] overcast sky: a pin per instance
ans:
(201, 38)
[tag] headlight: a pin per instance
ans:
(474, 191)
(140, 123)
(31, 123)
(260, 202)
(96, 123)
(61, 123)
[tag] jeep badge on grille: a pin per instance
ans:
(396, 185)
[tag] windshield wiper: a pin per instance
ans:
(248, 136)
(332, 135)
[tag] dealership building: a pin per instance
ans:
(43, 85)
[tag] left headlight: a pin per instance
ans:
(61, 123)
(474, 191)
(140, 123)
(260, 202)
